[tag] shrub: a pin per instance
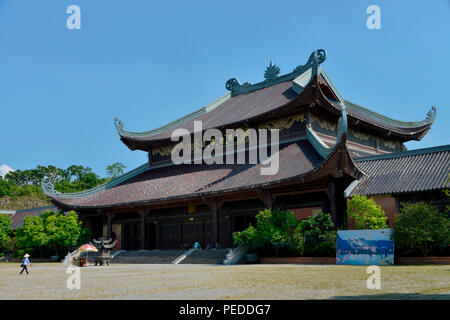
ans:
(298, 241)
(366, 213)
(278, 233)
(319, 234)
(246, 237)
(20, 253)
(419, 228)
(275, 233)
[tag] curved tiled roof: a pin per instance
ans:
(190, 180)
(255, 101)
(411, 171)
(231, 110)
(297, 159)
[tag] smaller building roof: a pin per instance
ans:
(20, 215)
(404, 172)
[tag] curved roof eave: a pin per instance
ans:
(58, 201)
(406, 129)
(125, 133)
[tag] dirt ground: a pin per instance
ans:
(120, 281)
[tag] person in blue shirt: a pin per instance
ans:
(25, 262)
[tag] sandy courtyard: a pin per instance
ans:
(120, 281)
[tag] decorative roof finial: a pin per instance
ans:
(271, 72)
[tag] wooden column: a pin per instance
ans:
(142, 213)
(110, 216)
(157, 244)
(332, 200)
(230, 228)
(215, 221)
(215, 206)
(267, 198)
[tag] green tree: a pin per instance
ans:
(420, 228)
(115, 170)
(32, 233)
(62, 230)
(51, 230)
(34, 176)
(366, 213)
(78, 178)
(319, 234)
(20, 188)
(276, 231)
(5, 229)
(5, 187)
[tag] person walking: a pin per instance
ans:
(25, 262)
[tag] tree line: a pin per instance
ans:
(44, 235)
(75, 178)
(50, 233)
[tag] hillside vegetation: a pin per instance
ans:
(22, 189)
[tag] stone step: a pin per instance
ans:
(150, 257)
(214, 256)
(206, 257)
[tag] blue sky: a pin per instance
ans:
(151, 62)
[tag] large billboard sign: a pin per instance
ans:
(365, 247)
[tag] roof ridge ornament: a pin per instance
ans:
(341, 138)
(342, 126)
(119, 125)
(271, 74)
(431, 115)
(47, 186)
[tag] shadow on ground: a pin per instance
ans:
(395, 296)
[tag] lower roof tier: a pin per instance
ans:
(297, 160)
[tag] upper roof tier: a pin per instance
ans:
(246, 103)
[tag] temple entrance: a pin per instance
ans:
(192, 231)
(150, 236)
(183, 232)
(170, 231)
(130, 236)
(96, 226)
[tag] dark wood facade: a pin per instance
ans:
(213, 221)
